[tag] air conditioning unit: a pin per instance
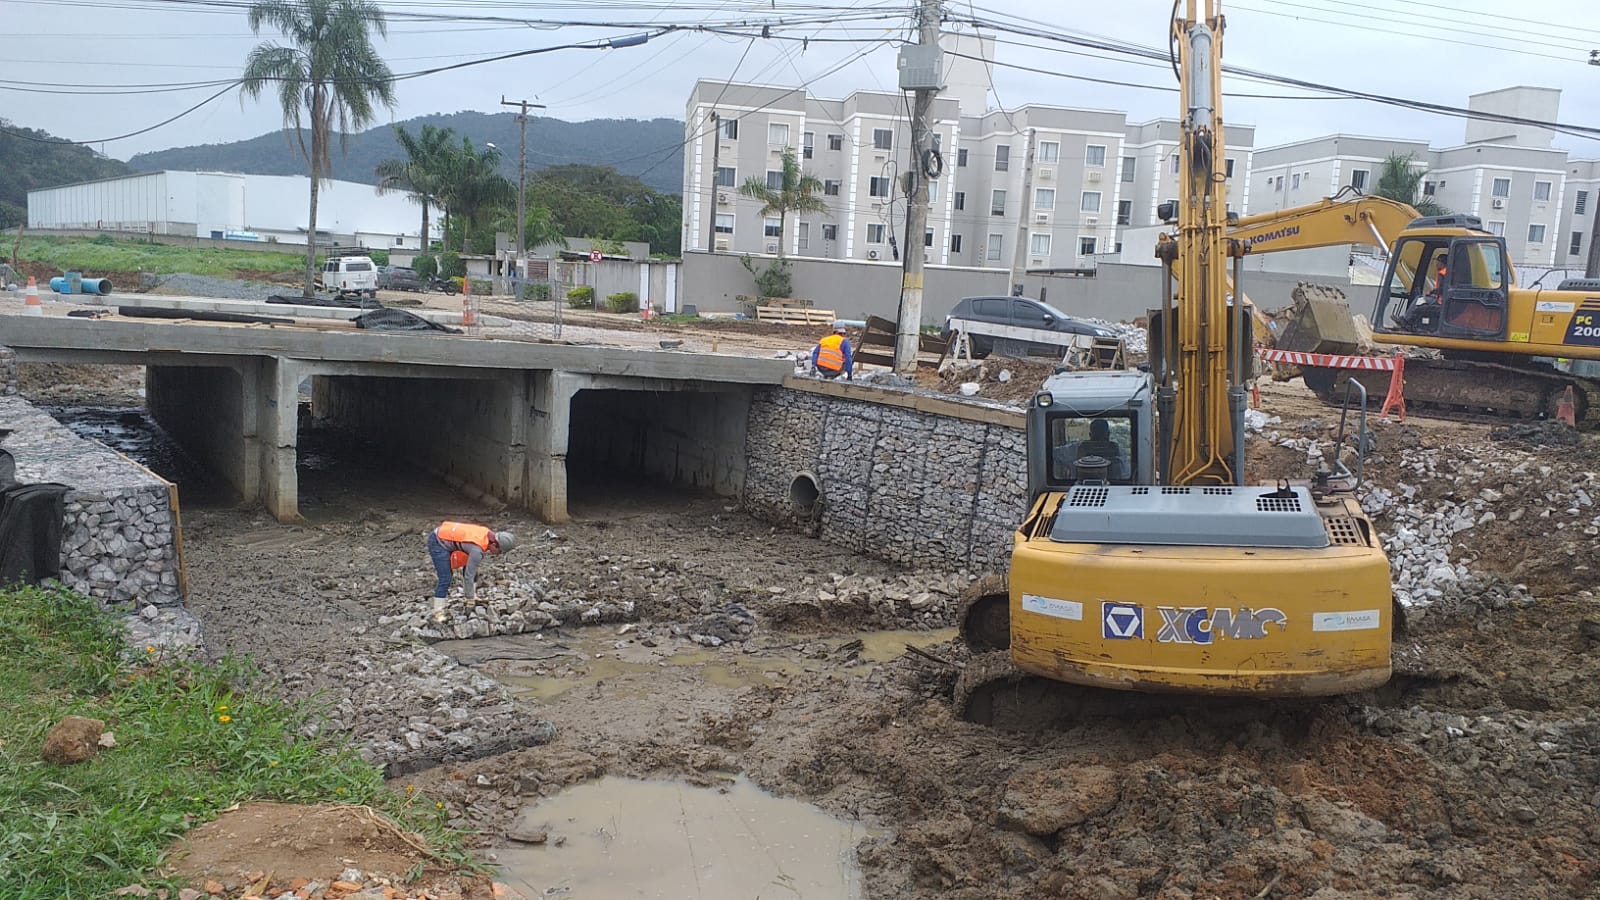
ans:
(722, 199)
(1499, 203)
(772, 248)
(1093, 178)
(1041, 217)
(722, 243)
(872, 254)
(1036, 261)
(1047, 174)
(1091, 223)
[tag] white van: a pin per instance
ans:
(350, 275)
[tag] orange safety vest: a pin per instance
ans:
(462, 533)
(830, 353)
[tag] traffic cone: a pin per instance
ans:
(1567, 408)
(30, 299)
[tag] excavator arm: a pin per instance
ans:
(1347, 218)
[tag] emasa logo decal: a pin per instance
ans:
(1201, 625)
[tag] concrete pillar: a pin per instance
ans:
(277, 435)
(550, 417)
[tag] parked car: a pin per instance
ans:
(350, 275)
(398, 278)
(1020, 312)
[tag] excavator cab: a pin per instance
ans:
(1444, 284)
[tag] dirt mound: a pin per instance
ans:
(82, 385)
(999, 379)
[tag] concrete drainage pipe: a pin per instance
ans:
(804, 493)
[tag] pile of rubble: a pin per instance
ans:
(1135, 339)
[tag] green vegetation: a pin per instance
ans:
(580, 298)
(796, 192)
(1401, 179)
(771, 281)
(36, 159)
(451, 266)
(622, 302)
(106, 254)
(190, 741)
(536, 291)
(419, 172)
(598, 202)
(330, 74)
(426, 266)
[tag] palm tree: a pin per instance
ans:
(329, 75)
(471, 184)
(1402, 180)
(798, 192)
(420, 173)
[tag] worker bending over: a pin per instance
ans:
(832, 356)
(458, 545)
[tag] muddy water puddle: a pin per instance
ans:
(543, 668)
(620, 838)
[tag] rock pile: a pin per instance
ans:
(1134, 338)
(8, 372)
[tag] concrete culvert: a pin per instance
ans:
(804, 493)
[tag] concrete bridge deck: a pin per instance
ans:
(493, 417)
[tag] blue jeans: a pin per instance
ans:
(440, 554)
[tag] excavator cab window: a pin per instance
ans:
(1072, 438)
(1450, 287)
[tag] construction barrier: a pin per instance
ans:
(1395, 365)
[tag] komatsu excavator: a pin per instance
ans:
(1491, 334)
(1145, 562)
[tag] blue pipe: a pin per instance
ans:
(100, 286)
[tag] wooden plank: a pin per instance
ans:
(795, 316)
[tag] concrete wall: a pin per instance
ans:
(686, 438)
(905, 485)
(203, 409)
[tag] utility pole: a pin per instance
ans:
(716, 160)
(1019, 258)
(921, 71)
(522, 175)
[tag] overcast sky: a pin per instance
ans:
(1426, 50)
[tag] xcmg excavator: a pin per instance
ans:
(1144, 562)
(1448, 285)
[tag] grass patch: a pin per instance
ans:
(191, 740)
(105, 254)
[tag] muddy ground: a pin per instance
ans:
(1473, 774)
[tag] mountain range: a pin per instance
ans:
(651, 149)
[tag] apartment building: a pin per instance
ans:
(1576, 228)
(1509, 176)
(1148, 170)
(1037, 187)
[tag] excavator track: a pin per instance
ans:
(984, 614)
(993, 692)
(1468, 390)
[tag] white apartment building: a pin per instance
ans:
(1040, 187)
(1148, 172)
(1578, 213)
(1509, 176)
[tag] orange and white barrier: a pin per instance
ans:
(1395, 365)
(31, 304)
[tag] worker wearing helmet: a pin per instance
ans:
(459, 545)
(832, 356)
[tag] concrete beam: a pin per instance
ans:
(289, 310)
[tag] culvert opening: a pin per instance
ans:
(804, 492)
(627, 448)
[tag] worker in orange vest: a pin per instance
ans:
(458, 545)
(832, 356)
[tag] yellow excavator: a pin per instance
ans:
(1145, 563)
(1448, 285)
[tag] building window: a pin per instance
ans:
(1541, 191)
(1044, 199)
(997, 203)
(875, 233)
(1427, 188)
(1535, 234)
(805, 235)
(835, 142)
(778, 134)
(878, 187)
(1039, 244)
(772, 227)
(1124, 212)
(724, 223)
(830, 188)
(1294, 183)
(1577, 243)
(955, 243)
(961, 157)
(882, 139)
(774, 180)
(726, 176)
(1502, 187)
(1358, 179)
(809, 144)
(927, 238)
(1094, 155)
(830, 232)
(1049, 151)
(730, 129)
(1128, 164)
(1002, 158)
(1581, 204)
(933, 191)
(1227, 166)
(1086, 246)
(961, 199)
(1090, 202)
(1497, 228)
(996, 244)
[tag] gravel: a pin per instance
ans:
(186, 285)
